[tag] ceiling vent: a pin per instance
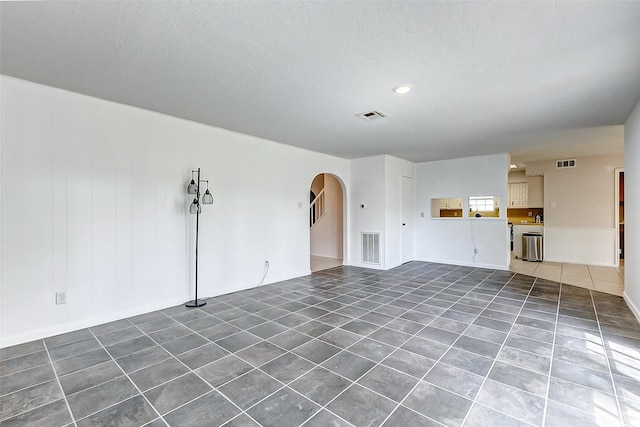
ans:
(371, 115)
(561, 164)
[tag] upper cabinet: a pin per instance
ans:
(518, 195)
(529, 194)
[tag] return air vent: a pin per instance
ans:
(371, 248)
(371, 115)
(561, 164)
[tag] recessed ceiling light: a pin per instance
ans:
(513, 166)
(402, 89)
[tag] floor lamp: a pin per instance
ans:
(196, 208)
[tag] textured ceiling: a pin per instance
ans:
(525, 78)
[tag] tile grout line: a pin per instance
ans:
(552, 358)
(64, 395)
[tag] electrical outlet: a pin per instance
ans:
(61, 297)
(530, 213)
(475, 251)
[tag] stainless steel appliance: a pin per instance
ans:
(532, 247)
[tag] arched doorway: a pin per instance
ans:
(326, 222)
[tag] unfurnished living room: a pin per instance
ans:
(320, 213)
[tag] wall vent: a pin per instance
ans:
(561, 164)
(371, 115)
(371, 248)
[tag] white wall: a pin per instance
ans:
(450, 240)
(395, 169)
(632, 210)
(94, 204)
(367, 183)
(579, 210)
(327, 233)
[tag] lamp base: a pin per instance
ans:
(195, 303)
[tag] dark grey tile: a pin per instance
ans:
(68, 338)
(130, 346)
(334, 319)
(20, 363)
(419, 317)
(53, 414)
(449, 325)
(289, 339)
(481, 347)
(340, 338)
(627, 388)
(388, 382)
(513, 402)
(21, 350)
(202, 356)
(360, 327)
(523, 379)
(495, 324)
(406, 417)
(438, 335)
(74, 348)
(455, 380)
(157, 324)
(371, 349)
(589, 359)
(157, 374)
(223, 370)
(141, 359)
(29, 398)
(348, 365)
(177, 392)
(532, 346)
(238, 341)
(313, 328)
(288, 367)
(320, 385)
(260, 353)
(132, 412)
(170, 334)
(438, 404)
(481, 416)
(81, 361)
(94, 399)
(26, 378)
(241, 420)
(267, 330)
(409, 363)
(90, 377)
(147, 317)
(361, 407)
(115, 337)
(250, 388)
(486, 334)
(405, 326)
(425, 348)
(630, 413)
(219, 332)
(291, 320)
(247, 322)
(211, 409)
(184, 344)
(390, 337)
(467, 361)
(316, 351)
(524, 359)
(284, 408)
(325, 419)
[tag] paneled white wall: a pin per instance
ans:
(94, 204)
(632, 210)
(453, 241)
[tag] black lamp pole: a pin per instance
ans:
(195, 208)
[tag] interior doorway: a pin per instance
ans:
(326, 222)
(619, 209)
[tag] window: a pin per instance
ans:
(484, 206)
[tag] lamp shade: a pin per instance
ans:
(192, 188)
(207, 198)
(195, 207)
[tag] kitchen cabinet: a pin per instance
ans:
(451, 203)
(518, 195)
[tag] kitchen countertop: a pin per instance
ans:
(527, 223)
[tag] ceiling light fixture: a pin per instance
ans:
(402, 89)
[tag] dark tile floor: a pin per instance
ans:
(420, 345)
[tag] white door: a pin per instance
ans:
(407, 216)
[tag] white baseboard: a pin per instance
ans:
(466, 264)
(632, 306)
(87, 323)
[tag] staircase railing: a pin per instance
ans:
(316, 209)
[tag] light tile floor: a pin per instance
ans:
(319, 263)
(604, 279)
(419, 345)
